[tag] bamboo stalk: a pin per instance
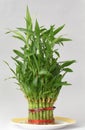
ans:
(40, 106)
(37, 106)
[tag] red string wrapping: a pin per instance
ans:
(42, 109)
(40, 121)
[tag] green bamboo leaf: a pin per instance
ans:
(42, 30)
(54, 68)
(17, 34)
(60, 40)
(10, 78)
(66, 83)
(59, 84)
(59, 29)
(9, 31)
(64, 39)
(57, 53)
(44, 72)
(18, 53)
(28, 20)
(10, 67)
(35, 81)
(23, 29)
(67, 63)
(46, 93)
(19, 37)
(56, 41)
(26, 31)
(37, 28)
(17, 61)
(36, 62)
(45, 34)
(67, 70)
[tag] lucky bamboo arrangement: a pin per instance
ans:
(38, 70)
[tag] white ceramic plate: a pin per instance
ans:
(60, 122)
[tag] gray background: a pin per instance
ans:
(70, 12)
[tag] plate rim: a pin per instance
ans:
(66, 121)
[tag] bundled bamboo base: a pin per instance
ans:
(41, 111)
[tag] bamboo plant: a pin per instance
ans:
(39, 72)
